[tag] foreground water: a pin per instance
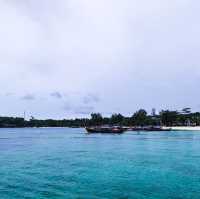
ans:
(66, 163)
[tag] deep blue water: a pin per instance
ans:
(66, 163)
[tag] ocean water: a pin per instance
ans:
(63, 163)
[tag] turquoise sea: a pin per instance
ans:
(63, 163)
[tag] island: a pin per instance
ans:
(177, 120)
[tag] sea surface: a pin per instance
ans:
(64, 163)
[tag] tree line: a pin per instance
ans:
(140, 118)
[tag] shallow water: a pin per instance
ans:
(62, 163)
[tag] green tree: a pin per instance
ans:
(96, 119)
(139, 118)
(116, 119)
(169, 118)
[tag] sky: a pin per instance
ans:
(69, 58)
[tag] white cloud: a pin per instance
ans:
(131, 54)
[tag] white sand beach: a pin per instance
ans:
(184, 128)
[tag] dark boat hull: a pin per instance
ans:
(149, 129)
(105, 130)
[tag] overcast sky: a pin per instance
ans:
(68, 58)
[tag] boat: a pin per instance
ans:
(119, 130)
(149, 128)
(100, 129)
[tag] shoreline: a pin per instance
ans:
(184, 128)
(173, 128)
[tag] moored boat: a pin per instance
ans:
(117, 130)
(149, 128)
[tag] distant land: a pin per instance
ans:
(140, 118)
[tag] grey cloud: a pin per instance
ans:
(91, 98)
(28, 97)
(84, 110)
(78, 109)
(56, 95)
(9, 94)
(67, 107)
